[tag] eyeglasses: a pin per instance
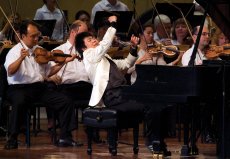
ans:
(204, 34)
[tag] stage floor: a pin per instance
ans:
(42, 148)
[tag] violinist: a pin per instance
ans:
(72, 79)
(144, 54)
(156, 127)
(204, 42)
(219, 38)
(26, 85)
(180, 33)
(162, 33)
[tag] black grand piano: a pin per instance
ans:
(190, 85)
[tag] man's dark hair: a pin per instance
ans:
(24, 25)
(81, 12)
(79, 42)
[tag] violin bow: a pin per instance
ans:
(14, 17)
(182, 14)
(139, 22)
(154, 6)
(12, 26)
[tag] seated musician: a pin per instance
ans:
(162, 33)
(180, 33)
(219, 38)
(144, 56)
(155, 131)
(26, 85)
(204, 42)
(72, 79)
(209, 116)
(73, 74)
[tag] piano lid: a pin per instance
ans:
(219, 11)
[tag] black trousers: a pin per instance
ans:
(23, 95)
(128, 110)
(77, 91)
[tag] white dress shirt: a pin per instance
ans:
(73, 71)
(187, 56)
(104, 5)
(60, 27)
(29, 71)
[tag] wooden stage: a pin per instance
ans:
(41, 148)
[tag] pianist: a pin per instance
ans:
(104, 72)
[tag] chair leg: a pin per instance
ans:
(112, 140)
(28, 129)
(89, 132)
(54, 132)
(135, 139)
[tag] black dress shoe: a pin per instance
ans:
(11, 144)
(160, 148)
(68, 143)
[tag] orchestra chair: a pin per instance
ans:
(106, 118)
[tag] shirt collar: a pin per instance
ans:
(107, 4)
(45, 9)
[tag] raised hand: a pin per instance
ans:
(112, 19)
(134, 41)
(145, 57)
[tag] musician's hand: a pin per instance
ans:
(112, 19)
(166, 42)
(55, 78)
(24, 53)
(134, 41)
(69, 59)
(45, 38)
(147, 56)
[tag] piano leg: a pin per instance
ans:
(189, 147)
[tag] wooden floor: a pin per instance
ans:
(41, 148)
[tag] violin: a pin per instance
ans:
(42, 56)
(169, 51)
(214, 51)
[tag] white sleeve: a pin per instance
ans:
(94, 55)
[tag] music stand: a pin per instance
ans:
(123, 19)
(46, 27)
(3, 54)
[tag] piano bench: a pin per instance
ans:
(105, 118)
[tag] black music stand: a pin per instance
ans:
(124, 19)
(3, 55)
(46, 27)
